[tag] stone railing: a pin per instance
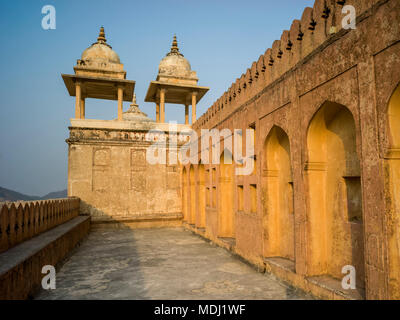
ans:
(20, 221)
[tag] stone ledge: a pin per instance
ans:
(140, 221)
(324, 286)
(197, 230)
(229, 243)
(21, 266)
(283, 263)
(124, 125)
(334, 286)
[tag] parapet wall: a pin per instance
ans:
(20, 221)
(35, 234)
(319, 26)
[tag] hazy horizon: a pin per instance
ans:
(220, 39)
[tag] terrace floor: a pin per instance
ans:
(160, 264)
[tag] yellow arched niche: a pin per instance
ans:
(201, 219)
(192, 184)
(226, 220)
(279, 217)
(335, 225)
(392, 165)
(184, 195)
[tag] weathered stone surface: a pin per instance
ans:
(110, 173)
(21, 267)
(160, 264)
(326, 191)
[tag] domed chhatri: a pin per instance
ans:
(99, 74)
(100, 59)
(176, 83)
(175, 68)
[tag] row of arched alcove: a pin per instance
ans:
(332, 179)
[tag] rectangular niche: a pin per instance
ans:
(214, 197)
(208, 197)
(138, 159)
(353, 198)
(138, 181)
(240, 198)
(291, 198)
(138, 170)
(101, 157)
(101, 169)
(100, 179)
(253, 198)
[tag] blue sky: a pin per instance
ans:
(220, 38)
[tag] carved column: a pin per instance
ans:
(120, 102)
(186, 114)
(162, 105)
(82, 107)
(78, 96)
(158, 111)
(194, 100)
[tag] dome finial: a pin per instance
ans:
(174, 47)
(102, 35)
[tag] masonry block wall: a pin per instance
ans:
(325, 105)
(109, 171)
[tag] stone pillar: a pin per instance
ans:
(194, 95)
(162, 105)
(186, 114)
(158, 111)
(120, 102)
(78, 95)
(82, 107)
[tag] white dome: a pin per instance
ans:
(175, 64)
(100, 51)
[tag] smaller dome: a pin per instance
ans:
(100, 51)
(135, 114)
(174, 63)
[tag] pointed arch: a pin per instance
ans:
(334, 193)
(392, 166)
(201, 218)
(184, 194)
(394, 119)
(278, 220)
(192, 186)
(226, 219)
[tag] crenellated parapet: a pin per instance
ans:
(22, 220)
(317, 25)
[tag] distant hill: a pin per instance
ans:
(55, 195)
(10, 195)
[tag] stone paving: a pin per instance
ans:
(160, 264)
